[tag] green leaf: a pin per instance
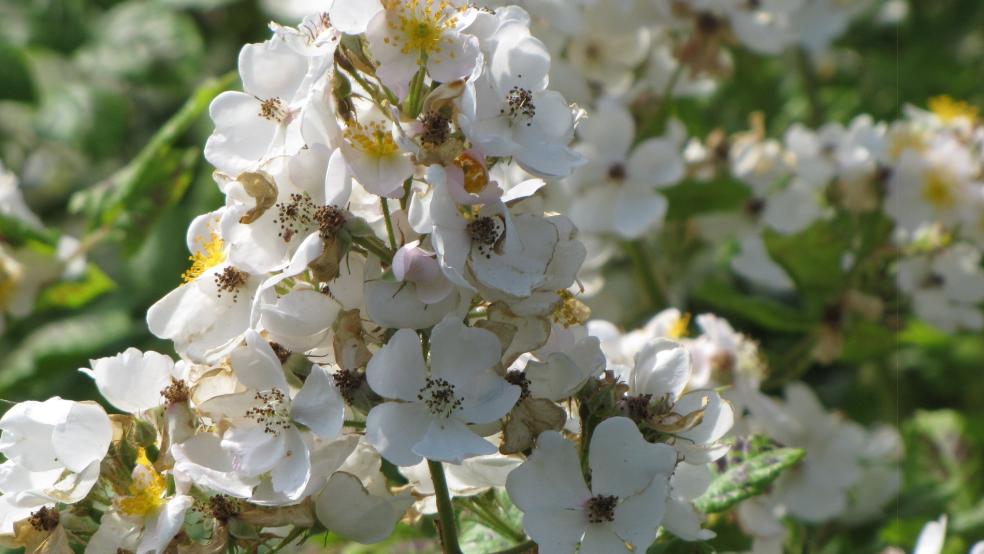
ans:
(677, 546)
(812, 258)
(53, 347)
(767, 313)
(748, 479)
(17, 231)
(157, 177)
(75, 294)
(16, 82)
(691, 198)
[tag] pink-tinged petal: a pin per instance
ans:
(397, 370)
(550, 479)
(449, 440)
(393, 428)
(622, 462)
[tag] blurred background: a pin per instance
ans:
(103, 114)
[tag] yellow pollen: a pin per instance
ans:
(147, 489)
(420, 25)
(373, 139)
(937, 190)
(211, 254)
(476, 177)
(570, 311)
(905, 140)
(679, 327)
(948, 109)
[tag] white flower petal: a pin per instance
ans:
(132, 380)
(393, 428)
(291, 474)
(663, 367)
(638, 517)
(449, 440)
(622, 462)
(347, 508)
(550, 479)
(319, 404)
(397, 370)
(83, 437)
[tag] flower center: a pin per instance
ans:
(348, 382)
(303, 215)
(601, 508)
(147, 489)
(519, 105)
(273, 109)
(937, 190)
(485, 232)
(638, 408)
(419, 25)
(223, 508)
(438, 395)
(948, 109)
(372, 139)
(44, 519)
(211, 254)
(176, 392)
(437, 128)
(679, 327)
(518, 378)
(616, 172)
(273, 413)
(229, 281)
(570, 311)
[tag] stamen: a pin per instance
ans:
(437, 128)
(176, 392)
(485, 232)
(518, 378)
(273, 109)
(229, 281)
(372, 139)
(601, 508)
(570, 311)
(419, 25)
(272, 414)
(638, 408)
(44, 519)
(519, 104)
(348, 383)
(438, 395)
(211, 254)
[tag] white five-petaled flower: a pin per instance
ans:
(624, 505)
(427, 413)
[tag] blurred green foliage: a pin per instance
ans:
(101, 105)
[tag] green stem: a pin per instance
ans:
(522, 548)
(636, 249)
(389, 223)
(492, 520)
(356, 424)
(376, 247)
(415, 100)
(445, 510)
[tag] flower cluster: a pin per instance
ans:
(387, 310)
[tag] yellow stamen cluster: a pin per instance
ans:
(211, 254)
(373, 139)
(679, 327)
(570, 311)
(906, 140)
(147, 489)
(948, 109)
(419, 25)
(937, 189)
